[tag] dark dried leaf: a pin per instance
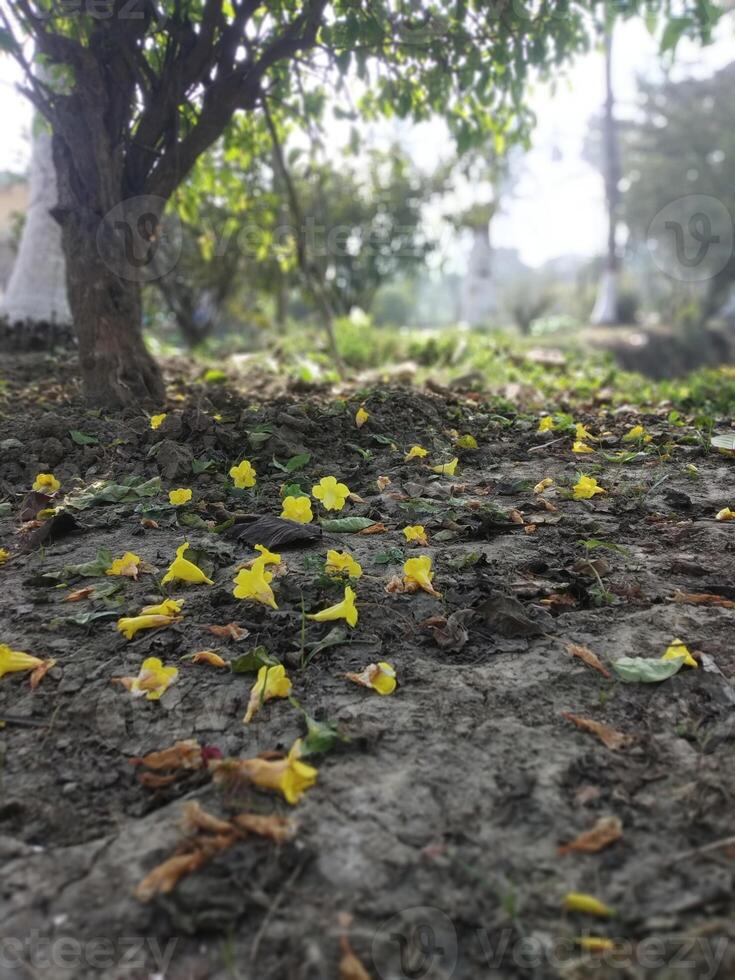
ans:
(273, 532)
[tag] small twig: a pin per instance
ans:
(714, 846)
(535, 449)
(274, 906)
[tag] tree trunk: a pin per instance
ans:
(116, 368)
(36, 291)
(605, 312)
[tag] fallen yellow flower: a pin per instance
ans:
(587, 904)
(183, 570)
(635, 434)
(417, 572)
(582, 433)
(297, 509)
(169, 607)
(361, 416)
(288, 776)
(128, 566)
(152, 680)
(4, 555)
(254, 583)
(243, 475)
(416, 452)
(331, 493)
(267, 557)
(725, 515)
(341, 561)
(543, 485)
(546, 424)
(272, 682)
(467, 442)
(157, 420)
(179, 497)
(46, 483)
(595, 944)
(346, 610)
(586, 487)
(130, 625)
(581, 447)
(415, 532)
(381, 677)
(446, 469)
(12, 661)
(677, 648)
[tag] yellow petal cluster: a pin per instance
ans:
(46, 483)
(586, 487)
(331, 493)
(183, 570)
(254, 583)
(272, 682)
(178, 497)
(297, 509)
(243, 475)
(341, 561)
(346, 610)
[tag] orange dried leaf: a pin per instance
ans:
(590, 658)
(277, 829)
(350, 967)
(153, 780)
(181, 755)
(383, 482)
(374, 529)
(78, 594)
(605, 832)
(702, 599)
(149, 524)
(194, 819)
(166, 876)
(516, 516)
(209, 657)
(40, 672)
(229, 632)
(610, 737)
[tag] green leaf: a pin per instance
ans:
(82, 439)
(85, 618)
(321, 736)
(253, 660)
(6, 509)
(214, 376)
(393, 556)
(465, 560)
(90, 569)
(201, 465)
(193, 520)
(725, 444)
(104, 492)
(644, 671)
(345, 525)
(365, 453)
(336, 636)
(673, 33)
(298, 462)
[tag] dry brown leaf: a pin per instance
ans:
(355, 498)
(383, 482)
(194, 819)
(396, 584)
(374, 529)
(166, 876)
(210, 657)
(702, 599)
(350, 967)
(605, 832)
(609, 736)
(590, 658)
(278, 829)
(181, 755)
(154, 780)
(78, 594)
(149, 524)
(546, 504)
(516, 516)
(558, 600)
(530, 528)
(230, 632)
(40, 672)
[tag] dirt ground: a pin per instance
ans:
(437, 825)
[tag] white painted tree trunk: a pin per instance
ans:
(605, 313)
(36, 290)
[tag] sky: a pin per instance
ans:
(558, 203)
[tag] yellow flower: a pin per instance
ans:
(361, 416)
(152, 680)
(254, 583)
(586, 487)
(267, 557)
(415, 532)
(677, 648)
(4, 555)
(179, 497)
(588, 904)
(581, 447)
(546, 424)
(417, 571)
(341, 561)
(331, 493)
(297, 509)
(14, 660)
(543, 485)
(581, 432)
(289, 776)
(128, 565)
(169, 607)
(157, 420)
(595, 944)
(446, 469)
(184, 570)
(381, 677)
(725, 514)
(243, 475)
(129, 625)
(416, 452)
(272, 682)
(467, 442)
(46, 483)
(635, 434)
(346, 610)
